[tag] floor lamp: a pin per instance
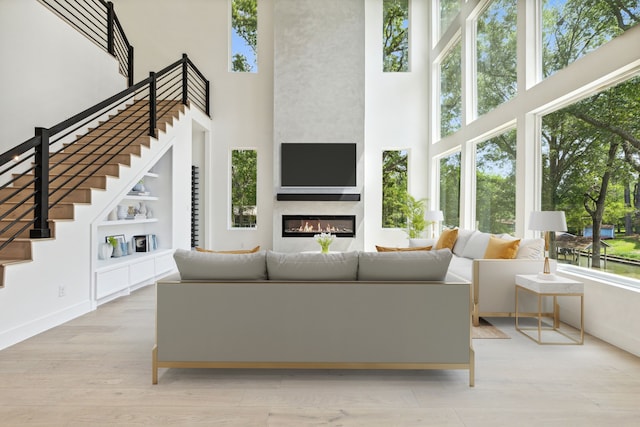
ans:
(433, 217)
(547, 221)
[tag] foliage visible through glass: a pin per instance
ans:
(448, 10)
(572, 28)
(394, 188)
(450, 92)
(450, 189)
(496, 184)
(591, 162)
(395, 35)
(244, 182)
(496, 54)
(244, 35)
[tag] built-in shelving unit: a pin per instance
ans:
(152, 221)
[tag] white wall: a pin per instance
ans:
(49, 71)
(396, 117)
(241, 103)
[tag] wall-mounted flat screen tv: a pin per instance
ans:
(318, 164)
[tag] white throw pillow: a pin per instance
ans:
(476, 246)
(462, 240)
(531, 249)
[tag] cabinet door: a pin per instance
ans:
(141, 271)
(164, 264)
(108, 282)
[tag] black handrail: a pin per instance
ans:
(25, 169)
(97, 20)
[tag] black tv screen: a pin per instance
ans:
(318, 164)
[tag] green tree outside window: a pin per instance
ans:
(244, 183)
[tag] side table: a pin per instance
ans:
(531, 283)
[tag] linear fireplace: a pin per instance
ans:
(308, 225)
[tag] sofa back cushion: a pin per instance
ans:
(312, 266)
(194, 265)
(398, 266)
(462, 240)
(476, 246)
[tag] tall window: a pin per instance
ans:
(591, 170)
(572, 28)
(450, 189)
(395, 35)
(244, 36)
(496, 184)
(496, 54)
(394, 188)
(450, 92)
(448, 10)
(244, 180)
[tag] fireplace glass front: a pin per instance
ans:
(309, 225)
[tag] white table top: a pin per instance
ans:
(559, 285)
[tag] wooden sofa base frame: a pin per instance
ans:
(312, 365)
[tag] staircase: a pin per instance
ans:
(79, 168)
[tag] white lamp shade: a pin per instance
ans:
(548, 221)
(433, 216)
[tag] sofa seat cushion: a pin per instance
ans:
(312, 266)
(399, 266)
(462, 267)
(194, 265)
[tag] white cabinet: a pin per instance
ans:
(118, 276)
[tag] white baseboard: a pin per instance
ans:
(36, 326)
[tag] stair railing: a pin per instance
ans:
(97, 20)
(25, 169)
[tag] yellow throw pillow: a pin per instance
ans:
(237, 251)
(416, 248)
(447, 238)
(501, 248)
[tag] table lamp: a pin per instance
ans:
(433, 217)
(547, 221)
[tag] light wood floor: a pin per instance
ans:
(96, 370)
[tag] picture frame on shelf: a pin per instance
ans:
(145, 243)
(141, 243)
(119, 238)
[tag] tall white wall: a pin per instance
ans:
(49, 71)
(396, 117)
(241, 104)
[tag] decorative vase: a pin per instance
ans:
(113, 215)
(142, 209)
(324, 248)
(122, 212)
(105, 250)
(123, 248)
(139, 187)
(117, 251)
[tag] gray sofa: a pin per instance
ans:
(320, 311)
(493, 279)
